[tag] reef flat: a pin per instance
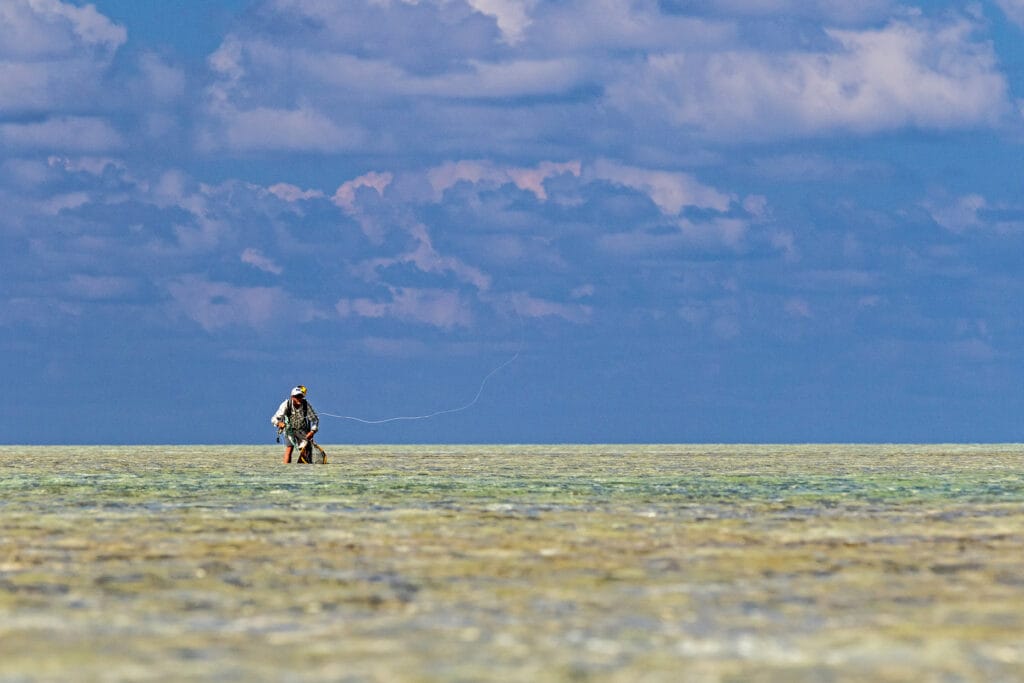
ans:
(538, 563)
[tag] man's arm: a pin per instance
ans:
(278, 419)
(314, 420)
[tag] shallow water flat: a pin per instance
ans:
(526, 563)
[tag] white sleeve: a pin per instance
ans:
(279, 415)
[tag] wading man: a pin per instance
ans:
(299, 422)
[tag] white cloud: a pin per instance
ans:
(434, 77)
(756, 205)
(909, 73)
(26, 173)
(86, 164)
(437, 307)
(785, 242)
(48, 28)
(476, 172)
(514, 78)
(68, 133)
(512, 16)
(171, 189)
(718, 231)
(293, 193)
(70, 200)
(208, 226)
(532, 179)
(670, 191)
(535, 307)
(302, 129)
(582, 292)
(345, 196)
(227, 59)
(427, 259)
(257, 260)
(218, 305)
(961, 214)
(53, 55)
(972, 212)
(1014, 9)
(161, 82)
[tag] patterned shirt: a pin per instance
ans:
(300, 419)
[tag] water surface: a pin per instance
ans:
(529, 563)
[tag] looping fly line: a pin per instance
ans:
(447, 411)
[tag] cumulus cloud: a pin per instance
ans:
(529, 179)
(437, 307)
(53, 55)
(972, 212)
(161, 82)
(69, 200)
(217, 305)
(535, 307)
(488, 75)
(582, 292)
(382, 73)
(512, 16)
(514, 78)
(41, 29)
(959, 215)
(345, 196)
(670, 191)
(257, 260)
(274, 128)
(719, 230)
(293, 193)
(532, 179)
(908, 73)
(86, 164)
(426, 259)
(1014, 9)
(66, 133)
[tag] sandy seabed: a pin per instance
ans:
(513, 563)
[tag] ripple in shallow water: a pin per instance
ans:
(616, 563)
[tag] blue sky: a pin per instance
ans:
(720, 221)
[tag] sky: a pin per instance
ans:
(601, 220)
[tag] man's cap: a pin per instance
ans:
(299, 391)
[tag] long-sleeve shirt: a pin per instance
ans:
(298, 419)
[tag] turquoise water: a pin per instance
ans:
(540, 563)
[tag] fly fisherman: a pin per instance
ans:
(299, 422)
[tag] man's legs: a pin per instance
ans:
(287, 454)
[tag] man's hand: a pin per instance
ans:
(309, 436)
(280, 425)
